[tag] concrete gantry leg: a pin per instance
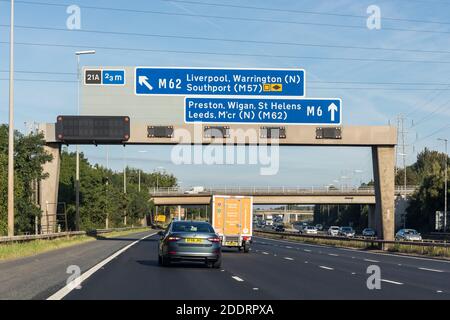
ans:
(383, 171)
(48, 190)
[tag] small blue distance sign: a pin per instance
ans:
(114, 77)
(263, 111)
(219, 81)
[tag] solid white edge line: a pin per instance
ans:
(390, 281)
(237, 278)
(60, 294)
(288, 258)
(370, 260)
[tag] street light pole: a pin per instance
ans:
(11, 129)
(77, 173)
(445, 183)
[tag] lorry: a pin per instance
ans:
(232, 219)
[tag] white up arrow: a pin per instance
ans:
(332, 108)
(143, 80)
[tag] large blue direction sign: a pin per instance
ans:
(263, 110)
(209, 81)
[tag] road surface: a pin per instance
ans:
(274, 269)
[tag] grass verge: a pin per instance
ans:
(25, 249)
(399, 248)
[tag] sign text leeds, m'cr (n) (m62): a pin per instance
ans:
(219, 81)
(312, 111)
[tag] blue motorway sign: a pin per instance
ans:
(263, 110)
(219, 81)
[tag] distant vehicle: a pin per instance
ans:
(280, 228)
(369, 232)
(300, 226)
(189, 241)
(346, 232)
(195, 190)
(408, 235)
(333, 231)
(309, 230)
(319, 227)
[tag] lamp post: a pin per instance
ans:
(11, 130)
(77, 173)
(445, 183)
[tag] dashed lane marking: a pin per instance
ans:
(432, 270)
(390, 281)
(237, 278)
(326, 268)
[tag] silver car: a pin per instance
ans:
(408, 235)
(190, 241)
(346, 232)
(369, 232)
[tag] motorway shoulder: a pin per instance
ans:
(36, 277)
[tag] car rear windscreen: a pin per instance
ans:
(192, 227)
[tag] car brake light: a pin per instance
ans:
(173, 238)
(214, 239)
(246, 238)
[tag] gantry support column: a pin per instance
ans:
(383, 172)
(48, 190)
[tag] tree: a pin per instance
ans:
(29, 156)
(102, 196)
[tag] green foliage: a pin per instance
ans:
(429, 197)
(29, 156)
(102, 196)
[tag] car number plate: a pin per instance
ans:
(190, 240)
(231, 243)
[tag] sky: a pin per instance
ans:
(400, 69)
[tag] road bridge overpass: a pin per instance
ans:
(273, 195)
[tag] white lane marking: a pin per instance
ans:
(274, 255)
(439, 291)
(390, 281)
(432, 270)
(60, 294)
(287, 258)
(357, 251)
(237, 278)
(306, 261)
(353, 272)
(287, 247)
(333, 254)
(370, 260)
(306, 250)
(255, 289)
(264, 252)
(222, 270)
(326, 268)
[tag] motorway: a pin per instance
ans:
(274, 269)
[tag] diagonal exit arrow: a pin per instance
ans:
(333, 109)
(143, 80)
